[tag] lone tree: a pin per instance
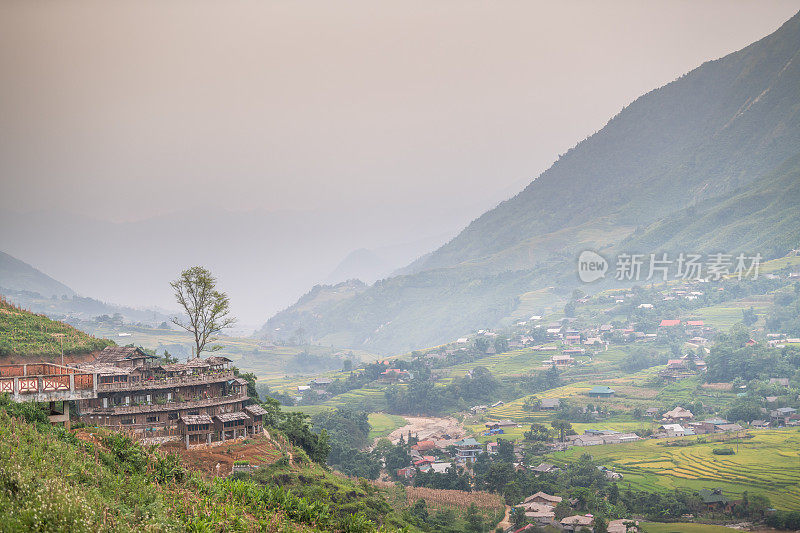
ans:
(206, 308)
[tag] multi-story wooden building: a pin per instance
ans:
(202, 401)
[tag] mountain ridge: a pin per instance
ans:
(706, 137)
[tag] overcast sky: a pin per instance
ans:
(131, 109)
(431, 111)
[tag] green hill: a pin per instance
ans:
(25, 333)
(17, 275)
(718, 142)
(98, 480)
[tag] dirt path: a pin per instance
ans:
(425, 428)
(506, 522)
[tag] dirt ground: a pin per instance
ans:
(256, 450)
(425, 428)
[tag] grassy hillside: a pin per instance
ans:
(17, 275)
(25, 333)
(707, 162)
(52, 480)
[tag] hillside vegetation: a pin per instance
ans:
(51, 480)
(25, 333)
(706, 161)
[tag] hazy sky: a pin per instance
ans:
(131, 109)
(402, 120)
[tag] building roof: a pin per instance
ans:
(578, 520)
(712, 496)
(545, 467)
(217, 360)
(175, 367)
(228, 417)
(196, 419)
(601, 389)
(469, 441)
(670, 323)
(255, 409)
(197, 363)
(115, 354)
(544, 496)
(679, 412)
(550, 402)
(105, 370)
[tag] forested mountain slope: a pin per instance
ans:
(20, 276)
(719, 142)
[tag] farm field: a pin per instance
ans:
(723, 316)
(684, 527)
(381, 424)
(24, 333)
(620, 423)
(768, 463)
(502, 364)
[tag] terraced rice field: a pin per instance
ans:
(369, 399)
(653, 527)
(768, 463)
(514, 411)
(503, 364)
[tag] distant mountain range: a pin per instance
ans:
(709, 162)
(28, 287)
(20, 276)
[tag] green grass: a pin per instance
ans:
(768, 463)
(24, 333)
(683, 527)
(381, 424)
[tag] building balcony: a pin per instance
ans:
(166, 383)
(163, 407)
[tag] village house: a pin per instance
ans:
(572, 339)
(715, 499)
(560, 361)
(578, 523)
(500, 424)
(191, 401)
(424, 446)
(467, 450)
(673, 430)
(544, 499)
(679, 414)
(540, 513)
(549, 404)
(545, 468)
(601, 391)
(394, 374)
(782, 415)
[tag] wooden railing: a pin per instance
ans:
(168, 406)
(28, 385)
(164, 383)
